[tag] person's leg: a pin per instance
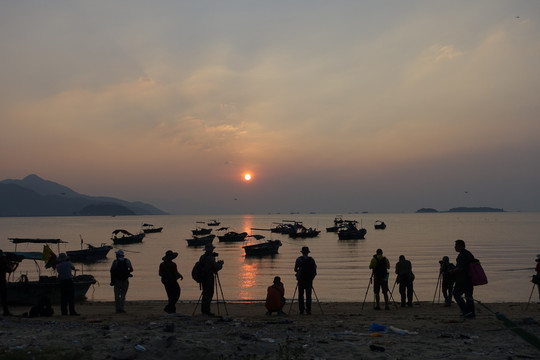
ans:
(470, 300)
(459, 290)
(376, 290)
(207, 295)
(301, 305)
(71, 297)
(384, 286)
(175, 295)
(124, 294)
(117, 290)
(402, 292)
(63, 297)
(410, 292)
(309, 288)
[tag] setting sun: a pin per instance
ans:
(247, 177)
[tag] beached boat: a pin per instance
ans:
(232, 236)
(122, 237)
(213, 223)
(201, 240)
(90, 254)
(26, 291)
(149, 228)
(270, 247)
(380, 225)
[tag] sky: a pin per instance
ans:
(332, 106)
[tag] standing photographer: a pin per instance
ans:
(210, 267)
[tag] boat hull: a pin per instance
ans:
(352, 235)
(201, 241)
(89, 255)
(268, 248)
(29, 292)
(123, 240)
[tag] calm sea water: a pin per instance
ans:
(506, 243)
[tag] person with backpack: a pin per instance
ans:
(405, 279)
(379, 266)
(306, 270)
(121, 270)
(448, 279)
(169, 278)
(209, 267)
(464, 285)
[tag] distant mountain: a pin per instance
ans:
(461, 209)
(34, 196)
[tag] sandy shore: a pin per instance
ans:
(243, 331)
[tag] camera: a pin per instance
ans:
(215, 254)
(441, 262)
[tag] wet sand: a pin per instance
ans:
(243, 331)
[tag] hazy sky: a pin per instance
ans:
(333, 106)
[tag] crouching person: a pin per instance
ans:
(275, 297)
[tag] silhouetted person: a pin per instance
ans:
(537, 269)
(67, 289)
(405, 279)
(210, 268)
(121, 270)
(448, 279)
(168, 270)
(463, 285)
(306, 270)
(6, 267)
(379, 266)
(275, 297)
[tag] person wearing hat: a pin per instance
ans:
(169, 278)
(64, 269)
(306, 270)
(448, 278)
(121, 270)
(379, 266)
(275, 297)
(210, 267)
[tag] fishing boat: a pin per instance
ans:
(232, 236)
(201, 240)
(213, 223)
(149, 228)
(27, 291)
(304, 233)
(380, 225)
(338, 224)
(123, 237)
(90, 254)
(351, 232)
(270, 247)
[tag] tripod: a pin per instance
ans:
(437, 287)
(528, 302)
(316, 297)
(365, 296)
(217, 283)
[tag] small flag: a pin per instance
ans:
(49, 257)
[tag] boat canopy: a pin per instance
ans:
(21, 255)
(121, 231)
(36, 241)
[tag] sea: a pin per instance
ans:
(506, 243)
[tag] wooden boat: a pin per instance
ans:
(149, 228)
(90, 254)
(201, 240)
(201, 231)
(232, 236)
(380, 225)
(351, 232)
(25, 291)
(213, 223)
(122, 237)
(338, 224)
(304, 233)
(270, 247)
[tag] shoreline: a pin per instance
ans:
(243, 331)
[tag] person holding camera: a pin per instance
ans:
(121, 270)
(169, 278)
(448, 279)
(210, 267)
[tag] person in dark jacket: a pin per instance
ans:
(275, 297)
(448, 278)
(168, 270)
(67, 289)
(405, 279)
(210, 268)
(463, 285)
(306, 270)
(379, 266)
(121, 270)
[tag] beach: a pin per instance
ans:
(243, 331)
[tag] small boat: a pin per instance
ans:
(149, 228)
(232, 236)
(122, 237)
(303, 233)
(213, 223)
(91, 254)
(201, 240)
(380, 225)
(351, 232)
(25, 291)
(338, 224)
(270, 247)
